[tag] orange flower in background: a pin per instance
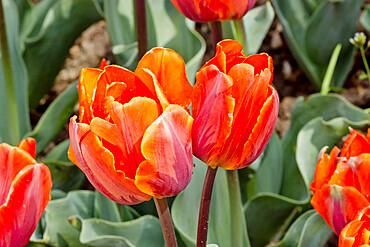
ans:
(24, 192)
(341, 185)
(213, 10)
(133, 140)
(234, 107)
(357, 232)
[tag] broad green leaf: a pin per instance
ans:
(145, 231)
(66, 176)
(268, 170)
(58, 231)
(315, 232)
(316, 134)
(63, 23)
(55, 117)
(365, 18)
(267, 216)
(293, 185)
(185, 209)
(291, 238)
(17, 77)
(312, 31)
(253, 30)
(167, 27)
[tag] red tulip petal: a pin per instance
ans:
(12, 161)
(361, 164)
(99, 166)
(29, 195)
(148, 76)
(246, 120)
(338, 205)
(260, 62)
(130, 123)
(169, 69)
(117, 90)
(28, 145)
(355, 145)
(212, 109)
(167, 148)
(325, 168)
(86, 90)
(103, 63)
(345, 175)
(348, 235)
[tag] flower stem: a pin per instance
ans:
(141, 27)
(14, 132)
(216, 29)
(205, 203)
(166, 222)
(365, 62)
(238, 223)
(241, 35)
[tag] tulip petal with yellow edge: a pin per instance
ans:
(212, 109)
(12, 161)
(28, 196)
(338, 205)
(246, 120)
(130, 122)
(169, 69)
(355, 145)
(357, 232)
(167, 148)
(325, 168)
(98, 164)
(86, 90)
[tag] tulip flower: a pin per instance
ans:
(234, 107)
(341, 185)
(133, 139)
(24, 192)
(213, 10)
(357, 232)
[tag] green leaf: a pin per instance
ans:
(66, 176)
(58, 231)
(293, 185)
(291, 238)
(185, 208)
(251, 30)
(268, 170)
(167, 27)
(268, 215)
(312, 31)
(55, 117)
(12, 132)
(46, 50)
(316, 134)
(365, 18)
(145, 231)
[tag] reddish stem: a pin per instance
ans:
(205, 203)
(141, 27)
(166, 222)
(216, 29)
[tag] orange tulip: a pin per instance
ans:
(341, 185)
(24, 192)
(133, 140)
(213, 10)
(234, 107)
(357, 232)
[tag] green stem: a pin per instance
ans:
(14, 132)
(365, 62)
(205, 203)
(216, 30)
(141, 27)
(166, 222)
(241, 35)
(238, 223)
(325, 87)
